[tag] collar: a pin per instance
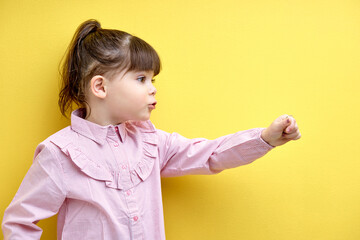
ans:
(94, 131)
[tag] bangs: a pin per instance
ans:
(143, 57)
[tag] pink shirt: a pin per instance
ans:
(104, 181)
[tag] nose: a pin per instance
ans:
(152, 89)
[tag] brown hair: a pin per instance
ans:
(97, 51)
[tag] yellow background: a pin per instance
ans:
(228, 65)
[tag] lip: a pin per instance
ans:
(152, 106)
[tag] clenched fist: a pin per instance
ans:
(281, 131)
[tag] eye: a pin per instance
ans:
(141, 79)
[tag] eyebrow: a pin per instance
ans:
(150, 72)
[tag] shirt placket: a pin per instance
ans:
(135, 221)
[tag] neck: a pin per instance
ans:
(99, 116)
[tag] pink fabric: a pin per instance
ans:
(104, 181)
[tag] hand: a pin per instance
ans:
(281, 131)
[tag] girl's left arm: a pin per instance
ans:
(183, 156)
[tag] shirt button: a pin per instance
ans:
(128, 192)
(116, 129)
(135, 218)
(123, 167)
(116, 144)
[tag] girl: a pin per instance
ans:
(102, 173)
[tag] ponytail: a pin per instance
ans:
(71, 90)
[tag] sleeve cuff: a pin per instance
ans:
(263, 141)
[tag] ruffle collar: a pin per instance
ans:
(114, 179)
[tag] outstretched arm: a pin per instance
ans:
(182, 156)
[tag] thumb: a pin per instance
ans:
(281, 123)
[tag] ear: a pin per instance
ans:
(97, 86)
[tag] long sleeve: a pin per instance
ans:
(182, 156)
(40, 196)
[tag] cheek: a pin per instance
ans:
(131, 102)
(131, 95)
(138, 95)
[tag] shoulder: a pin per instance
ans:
(57, 140)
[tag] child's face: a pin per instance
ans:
(130, 96)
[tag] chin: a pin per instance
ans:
(145, 118)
